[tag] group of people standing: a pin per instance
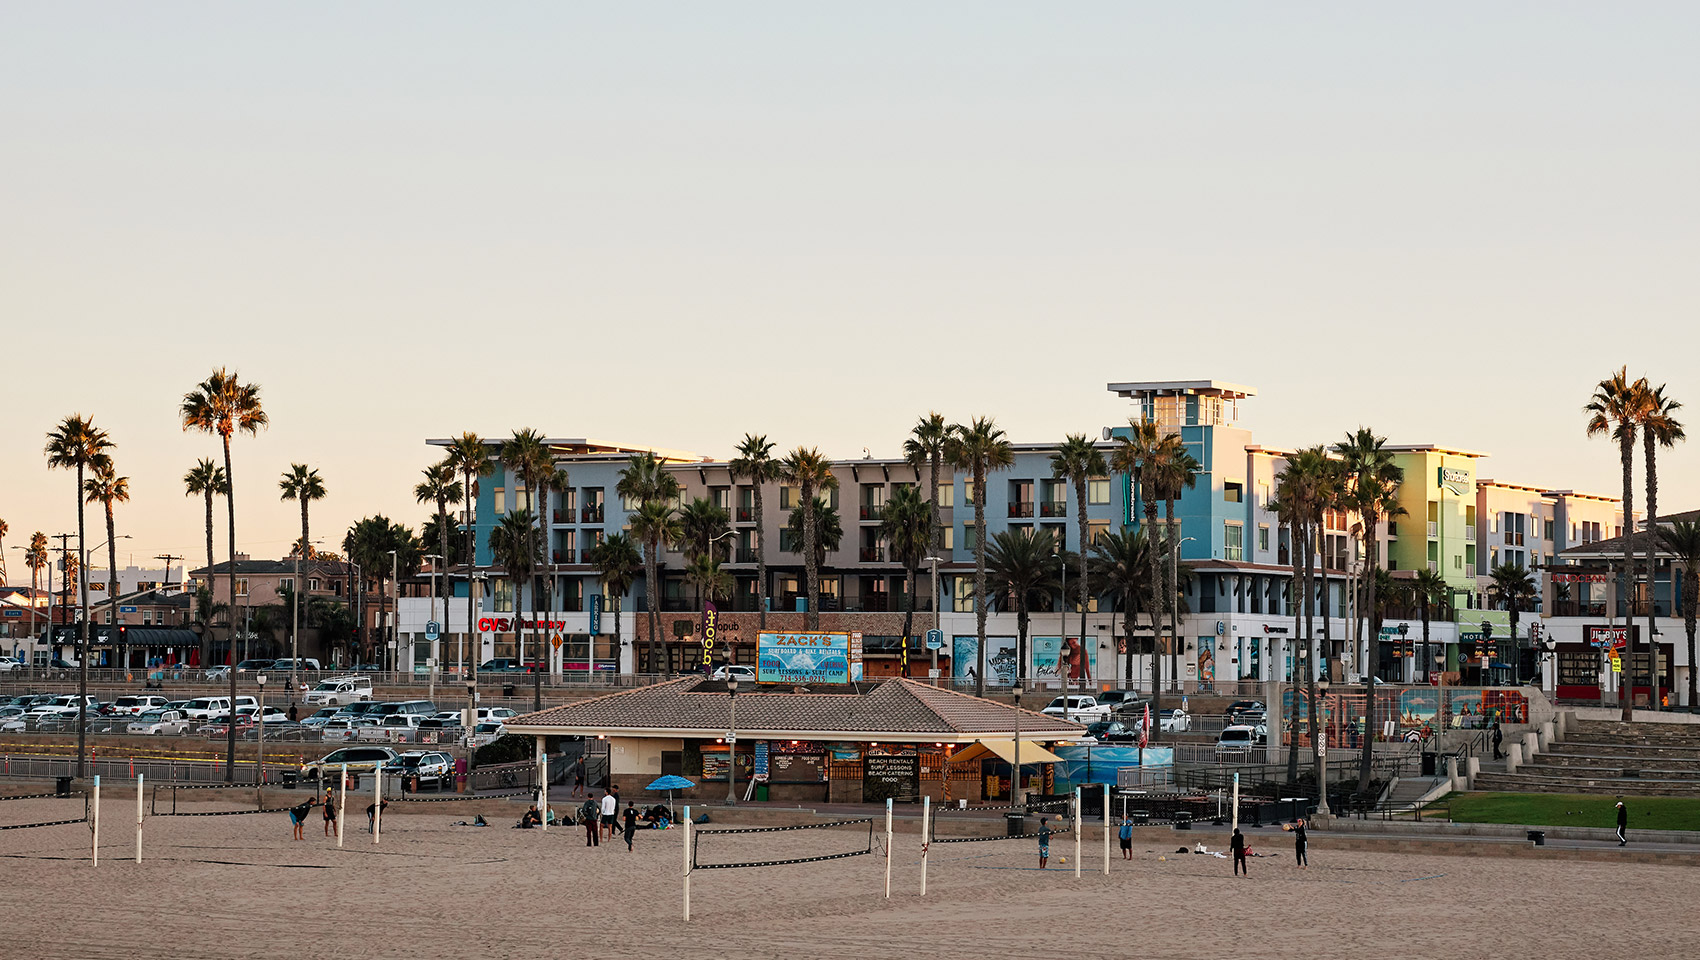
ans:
(602, 816)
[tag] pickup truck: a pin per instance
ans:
(1077, 708)
(337, 691)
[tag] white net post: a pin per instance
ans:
(888, 848)
(94, 852)
(687, 863)
(377, 803)
(341, 805)
(926, 838)
(1077, 833)
(139, 818)
(1106, 829)
(1236, 801)
(543, 787)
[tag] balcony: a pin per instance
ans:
(1469, 531)
(872, 555)
(1433, 528)
(591, 514)
(746, 514)
(1021, 508)
(873, 511)
(561, 556)
(1053, 508)
(874, 603)
(563, 516)
(745, 555)
(1578, 608)
(584, 555)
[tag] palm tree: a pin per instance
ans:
(1079, 460)
(1374, 495)
(1512, 587)
(980, 447)
(469, 457)
(1659, 428)
(303, 485)
(529, 458)
(35, 557)
(927, 446)
(829, 533)
(646, 482)
(711, 583)
(207, 480)
(1296, 490)
(222, 404)
(4, 529)
(514, 548)
(441, 489)
(811, 472)
(1682, 539)
(908, 527)
(701, 524)
(1023, 564)
(1177, 471)
(1428, 588)
(1616, 408)
(107, 488)
(77, 444)
(365, 544)
(616, 559)
(1121, 566)
(1138, 454)
(755, 464)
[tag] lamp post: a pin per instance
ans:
(1322, 750)
(935, 560)
(1015, 775)
(731, 738)
(471, 722)
(260, 728)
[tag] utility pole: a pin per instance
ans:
(167, 557)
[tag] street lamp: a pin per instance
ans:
(731, 738)
(1322, 749)
(395, 622)
(935, 561)
(471, 722)
(260, 726)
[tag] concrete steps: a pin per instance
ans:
(1520, 782)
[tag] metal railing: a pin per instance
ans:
(1053, 508)
(1021, 508)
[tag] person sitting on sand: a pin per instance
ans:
(531, 819)
(298, 815)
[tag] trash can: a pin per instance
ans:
(62, 786)
(1538, 837)
(761, 792)
(1429, 763)
(1015, 824)
(507, 689)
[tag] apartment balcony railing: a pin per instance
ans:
(1021, 508)
(746, 555)
(1577, 608)
(591, 514)
(1433, 528)
(872, 555)
(873, 511)
(584, 555)
(1053, 508)
(564, 516)
(1469, 531)
(874, 602)
(561, 556)
(746, 514)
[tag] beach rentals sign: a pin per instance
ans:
(803, 658)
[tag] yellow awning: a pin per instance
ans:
(1005, 750)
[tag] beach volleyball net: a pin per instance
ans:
(67, 804)
(837, 840)
(1058, 815)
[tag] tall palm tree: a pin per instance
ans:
(829, 532)
(469, 457)
(1121, 566)
(755, 464)
(812, 473)
(206, 480)
(907, 526)
(303, 485)
(927, 446)
(646, 482)
(1682, 539)
(1023, 564)
(1428, 588)
(530, 459)
(1659, 428)
(1616, 408)
(1374, 485)
(980, 447)
(1296, 490)
(77, 444)
(1512, 587)
(710, 582)
(365, 544)
(701, 525)
(106, 488)
(439, 488)
(222, 404)
(1079, 460)
(1138, 455)
(1177, 472)
(35, 557)
(616, 561)
(514, 548)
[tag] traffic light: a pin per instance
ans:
(1484, 643)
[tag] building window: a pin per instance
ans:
(1393, 529)
(285, 583)
(504, 596)
(1549, 531)
(968, 493)
(789, 497)
(500, 500)
(147, 618)
(788, 541)
(1263, 537)
(970, 536)
(1233, 491)
(949, 538)
(946, 495)
(963, 588)
(1233, 541)
(1096, 529)
(242, 586)
(312, 584)
(1098, 490)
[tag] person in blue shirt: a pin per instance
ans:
(1127, 839)
(1044, 843)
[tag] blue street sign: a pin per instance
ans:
(433, 630)
(126, 609)
(935, 639)
(595, 613)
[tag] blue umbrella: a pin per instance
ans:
(670, 783)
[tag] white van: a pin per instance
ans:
(1237, 739)
(205, 708)
(336, 691)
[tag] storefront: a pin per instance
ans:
(1586, 671)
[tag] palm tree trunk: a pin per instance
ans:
(206, 628)
(112, 585)
(1085, 586)
(540, 643)
(937, 538)
(1373, 631)
(980, 577)
(811, 568)
(1649, 445)
(1169, 599)
(230, 631)
(652, 585)
(474, 645)
(909, 606)
(83, 642)
(1625, 591)
(1691, 584)
(761, 560)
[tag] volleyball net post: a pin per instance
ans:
(1106, 829)
(1077, 833)
(94, 827)
(687, 863)
(888, 848)
(341, 805)
(926, 837)
(377, 803)
(139, 818)
(1236, 801)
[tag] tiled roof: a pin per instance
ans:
(895, 707)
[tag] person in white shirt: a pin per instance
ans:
(610, 807)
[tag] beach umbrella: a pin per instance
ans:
(670, 783)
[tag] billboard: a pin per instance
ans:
(1047, 651)
(803, 658)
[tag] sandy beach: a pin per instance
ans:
(239, 886)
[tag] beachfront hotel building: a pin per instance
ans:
(1239, 621)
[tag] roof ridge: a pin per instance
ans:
(606, 696)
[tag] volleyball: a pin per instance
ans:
(1062, 859)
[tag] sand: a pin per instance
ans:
(239, 887)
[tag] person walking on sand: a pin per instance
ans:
(298, 815)
(1622, 824)
(631, 826)
(1127, 838)
(1300, 841)
(592, 829)
(1237, 845)
(1044, 843)
(610, 807)
(372, 811)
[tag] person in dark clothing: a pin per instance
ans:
(292, 713)
(530, 819)
(330, 814)
(1498, 738)
(578, 775)
(1622, 824)
(1237, 845)
(592, 827)
(1044, 843)
(298, 815)
(372, 810)
(631, 826)
(1300, 841)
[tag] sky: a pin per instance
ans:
(671, 224)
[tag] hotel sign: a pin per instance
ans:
(1455, 480)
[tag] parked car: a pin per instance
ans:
(303, 664)
(249, 666)
(319, 718)
(135, 706)
(160, 723)
(343, 728)
(430, 766)
(494, 714)
(501, 665)
(1237, 739)
(360, 758)
(394, 728)
(1078, 708)
(485, 733)
(1175, 721)
(63, 706)
(13, 722)
(1112, 731)
(11, 665)
(340, 690)
(1239, 707)
(745, 674)
(390, 708)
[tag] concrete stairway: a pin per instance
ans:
(1610, 757)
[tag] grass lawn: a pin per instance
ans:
(1569, 810)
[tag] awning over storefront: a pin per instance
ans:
(1005, 750)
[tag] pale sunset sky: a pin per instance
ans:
(670, 224)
